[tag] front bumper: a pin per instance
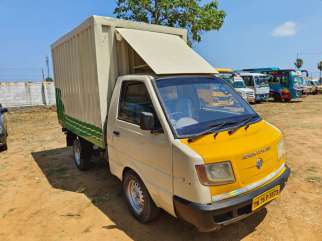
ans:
(251, 99)
(211, 217)
(260, 97)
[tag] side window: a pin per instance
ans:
(248, 80)
(274, 79)
(284, 80)
(135, 99)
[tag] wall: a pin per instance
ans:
(18, 94)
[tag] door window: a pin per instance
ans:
(248, 80)
(134, 100)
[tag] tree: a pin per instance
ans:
(320, 68)
(190, 14)
(298, 63)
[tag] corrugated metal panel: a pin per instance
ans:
(76, 76)
(86, 65)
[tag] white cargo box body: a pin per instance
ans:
(88, 60)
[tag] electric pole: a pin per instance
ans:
(47, 65)
(43, 74)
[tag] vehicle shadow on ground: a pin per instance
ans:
(285, 102)
(104, 191)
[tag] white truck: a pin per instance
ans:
(140, 94)
(259, 83)
(247, 93)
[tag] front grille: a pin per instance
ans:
(223, 217)
(244, 210)
(250, 94)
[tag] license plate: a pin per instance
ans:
(265, 197)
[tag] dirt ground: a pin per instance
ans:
(44, 197)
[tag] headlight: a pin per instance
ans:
(280, 150)
(215, 174)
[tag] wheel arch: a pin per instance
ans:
(153, 194)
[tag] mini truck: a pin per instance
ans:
(259, 83)
(178, 138)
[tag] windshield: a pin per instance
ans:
(226, 76)
(261, 81)
(299, 81)
(195, 104)
(280, 77)
(239, 84)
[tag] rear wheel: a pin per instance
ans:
(83, 151)
(138, 199)
(70, 138)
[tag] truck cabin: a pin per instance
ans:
(226, 74)
(259, 83)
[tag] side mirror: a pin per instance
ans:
(3, 110)
(147, 121)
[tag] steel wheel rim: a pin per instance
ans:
(135, 196)
(77, 153)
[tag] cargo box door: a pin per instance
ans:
(165, 53)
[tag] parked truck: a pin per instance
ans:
(247, 93)
(257, 82)
(178, 138)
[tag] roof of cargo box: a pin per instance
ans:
(165, 53)
(119, 23)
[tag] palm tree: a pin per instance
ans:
(298, 63)
(320, 68)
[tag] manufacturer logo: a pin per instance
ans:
(258, 152)
(259, 163)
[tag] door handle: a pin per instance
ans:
(116, 133)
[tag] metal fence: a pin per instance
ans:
(19, 94)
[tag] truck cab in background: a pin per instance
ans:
(309, 87)
(259, 83)
(247, 93)
(226, 74)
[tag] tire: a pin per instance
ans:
(138, 199)
(277, 98)
(70, 138)
(4, 147)
(83, 151)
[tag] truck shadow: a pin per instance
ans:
(285, 102)
(104, 191)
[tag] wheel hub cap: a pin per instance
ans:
(135, 196)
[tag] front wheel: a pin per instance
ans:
(138, 199)
(83, 151)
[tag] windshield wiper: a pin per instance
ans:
(245, 122)
(212, 130)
